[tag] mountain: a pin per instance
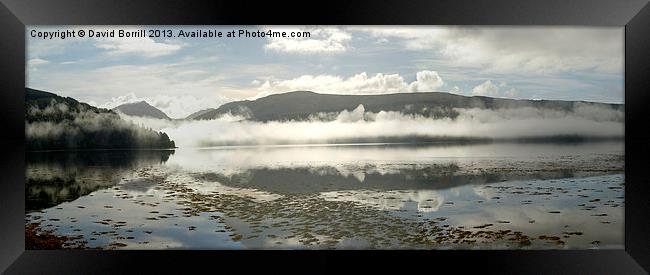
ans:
(199, 113)
(142, 109)
(300, 105)
(53, 122)
(40, 100)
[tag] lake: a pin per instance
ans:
(344, 196)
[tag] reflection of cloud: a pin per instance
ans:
(137, 185)
(545, 223)
(426, 200)
(360, 176)
(153, 242)
(570, 219)
(282, 242)
(345, 171)
(484, 192)
(370, 159)
(209, 188)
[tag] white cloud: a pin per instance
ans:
(114, 45)
(321, 40)
(426, 81)
(166, 86)
(512, 92)
(38, 47)
(488, 88)
(465, 56)
(516, 49)
(415, 38)
(37, 61)
(144, 45)
(173, 106)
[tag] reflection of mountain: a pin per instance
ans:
(105, 158)
(325, 179)
(56, 177)
(302, 104)
(54, 122)
(142, 109)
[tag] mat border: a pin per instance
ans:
(633, 15)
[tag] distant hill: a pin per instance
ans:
(300, 105)
(40, 100)
(199, 113)
(141, 109)
(57, 123)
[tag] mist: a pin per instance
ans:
(583, 121)
(59, 126)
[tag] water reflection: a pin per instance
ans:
(235, 159)
(326, 178)
(354, 196)
(314, 169)
(411, 200)
(56, 177)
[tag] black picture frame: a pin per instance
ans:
(633, 15)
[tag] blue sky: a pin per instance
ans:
(184, 75)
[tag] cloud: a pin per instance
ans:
(511, 93)
(37, 61)
(355, 115)
(142, 45)
(463, 56)
(166, 86)
(414, 38)
(486, 89)
(585, 120)
(38, 47)
(321, 40)
(426, 81)
(33, 64)
(172, 106)
(490, 89)
(516, 49)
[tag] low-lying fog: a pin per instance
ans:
(583, 121)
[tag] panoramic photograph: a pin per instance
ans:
(324, 137)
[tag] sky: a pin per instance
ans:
(182, 75)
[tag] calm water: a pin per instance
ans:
(489, 196)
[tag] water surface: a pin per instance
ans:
(429, 196)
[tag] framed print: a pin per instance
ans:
(510, 135)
